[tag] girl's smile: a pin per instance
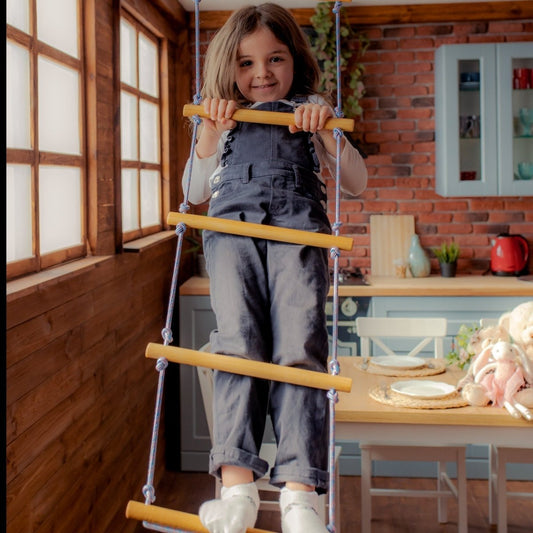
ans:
(265, 67)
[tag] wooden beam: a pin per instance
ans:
(402, 14)
(268, 117)
(247, 367)
(170, 518)
(261, 231)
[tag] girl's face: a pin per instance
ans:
(265, 67)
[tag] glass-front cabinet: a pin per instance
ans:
(484, 119)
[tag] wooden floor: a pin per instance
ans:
(186, 491)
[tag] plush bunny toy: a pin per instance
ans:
(502, 373)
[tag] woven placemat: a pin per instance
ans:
(431, 368)
(384, 394)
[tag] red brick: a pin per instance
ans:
(416, 43)
(394, 148)
(380, 207)
(423, 170)
(434, 218)
(403, 159)
(396, 57)
(426, 124)
(455, 229)
(399, 31)
(414, 207)
(451, 205)
(418, 66)
(397, 125)
(381, 137)
(486, 204)
(399, 194)
(486, 39)
(397, 79)
(417, 113)
(505, 27)
(379, 68)
(410, 90)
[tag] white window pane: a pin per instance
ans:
(18, 97)
(18, 213)
(150, 198)
(59, 108)
(59, 207)
(149, 126)
(128, 54)
(128, 126)
(18, 14)
(57, 24)
(130, 200)
(148, 66)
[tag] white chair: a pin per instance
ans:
(268, 493)
(498, 494)
(499, 456)
(422, 332)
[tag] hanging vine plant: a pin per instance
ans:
(353, 47)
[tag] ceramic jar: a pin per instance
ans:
(419, 263)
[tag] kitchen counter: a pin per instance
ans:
(390, 286)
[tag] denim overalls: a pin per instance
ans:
(269, 301)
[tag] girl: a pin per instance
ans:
(268, 297)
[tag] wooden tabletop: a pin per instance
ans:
(430, 286)
(358, 406)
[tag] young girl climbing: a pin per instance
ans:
(268, 297)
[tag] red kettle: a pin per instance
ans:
(509, 254)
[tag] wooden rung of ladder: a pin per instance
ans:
(276, 118)
(247, 367)
(170, 518)
(261, 231)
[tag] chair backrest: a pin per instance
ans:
(372, 330)
(205, 378)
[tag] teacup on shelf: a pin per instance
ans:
(526, 118)
(525, 170)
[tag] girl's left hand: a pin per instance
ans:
(310, 117)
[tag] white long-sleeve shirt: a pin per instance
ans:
(353, 172)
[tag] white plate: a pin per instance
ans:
(398, 361)
(423, 388)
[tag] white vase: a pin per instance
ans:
(419, 264)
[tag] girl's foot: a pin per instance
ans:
(235, 512)
(299, 512)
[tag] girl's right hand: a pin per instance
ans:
(220, 112)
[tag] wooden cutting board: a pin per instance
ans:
(390, 238)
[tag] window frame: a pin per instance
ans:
(34, 157)
(128, 236)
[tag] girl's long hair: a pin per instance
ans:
(221, 56)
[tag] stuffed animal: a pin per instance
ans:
(498, 375)
(501, 372)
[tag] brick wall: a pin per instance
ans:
(397, 130)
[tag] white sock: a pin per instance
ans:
(235, 512)
(299, 512)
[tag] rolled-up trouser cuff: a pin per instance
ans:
(236, 457)
(310, 476)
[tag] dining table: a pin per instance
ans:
(360, 417)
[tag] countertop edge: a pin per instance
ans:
(390, 286)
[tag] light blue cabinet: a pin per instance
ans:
(480, 140)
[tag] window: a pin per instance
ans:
(45, 145)
(140, 119)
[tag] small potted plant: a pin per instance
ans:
(447, 255)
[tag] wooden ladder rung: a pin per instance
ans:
(262, 231)
(275, 118)
(247, 367)
(170, 518)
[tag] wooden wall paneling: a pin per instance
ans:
(398, 14)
